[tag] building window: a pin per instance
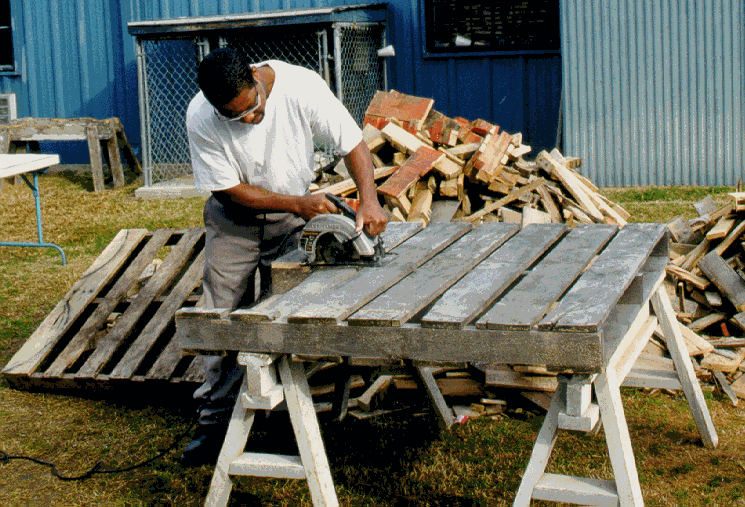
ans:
(486, 26)
(7, 60)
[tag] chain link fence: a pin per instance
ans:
(345, 55)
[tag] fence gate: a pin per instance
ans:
(332, 42)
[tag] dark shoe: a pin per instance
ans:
(204, 448)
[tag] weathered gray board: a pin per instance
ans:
(339, 331)
(529, 300)
(489, 279)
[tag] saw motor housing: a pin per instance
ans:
(331, 239)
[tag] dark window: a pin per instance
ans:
(6, 37)
(491, 26)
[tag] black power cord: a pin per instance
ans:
(97, 468)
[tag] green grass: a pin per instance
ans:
(392, 461)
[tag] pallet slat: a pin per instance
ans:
(84, 337)
(109, 307)
(85, 290)
(465, 300)
(527, 302)
(402, 301)
(160, 321)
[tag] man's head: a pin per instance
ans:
(223, 74)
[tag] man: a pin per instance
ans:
(251, 130)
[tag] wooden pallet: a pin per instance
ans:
(113, 325)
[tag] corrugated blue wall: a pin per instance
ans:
(71, 64)
(77, 59)
(654, 90)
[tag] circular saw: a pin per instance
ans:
(332, 239)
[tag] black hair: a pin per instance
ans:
(222, 74)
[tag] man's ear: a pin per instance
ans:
(255, 73)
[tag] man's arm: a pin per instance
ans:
(369, 215)
(265, 201)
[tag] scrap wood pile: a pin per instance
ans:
(429, 167)
(707, 265)
(379, 387)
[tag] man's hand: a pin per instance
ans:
(315, 204)
(371, 217)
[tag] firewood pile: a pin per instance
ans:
(429, 167)
(707, 268)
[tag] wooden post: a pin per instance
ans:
(94, 149)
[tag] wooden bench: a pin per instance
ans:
(24, 134)
(582, 302)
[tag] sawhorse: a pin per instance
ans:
(573, 408)
(261, 390)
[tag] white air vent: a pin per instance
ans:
(8, 109)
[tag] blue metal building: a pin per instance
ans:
(501, 61)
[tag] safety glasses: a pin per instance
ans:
(245, 113)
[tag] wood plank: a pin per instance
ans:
(157, 285)
(379, 387)
(576, 351)
(581, 490)
(587, 304)
(571, 183)
(686, 276)
(162, 319)
(94, 149)
(315, 282)
(348, 186)
(721, 228)
(72, 305)
(733, 235)
(334, 306)
(725, 278)
(402, 301)
(504, 376)
(726, 388)
(402, 140)
(470, 296)
(515, 194)
(550, 205)
(292, 268)
(674, 340)
(525, 305)
(278, 466)
(373, 138)
(415, 167)
(407, 108)
(85, 336)
(307, 433)
(426, 375)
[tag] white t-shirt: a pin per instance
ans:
(276, 154)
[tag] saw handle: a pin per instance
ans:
(340, 203)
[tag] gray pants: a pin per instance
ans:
(237, 243)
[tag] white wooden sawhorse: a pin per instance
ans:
(261, 390)
(572, 408)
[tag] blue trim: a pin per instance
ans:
(15, 27)
(481, 54)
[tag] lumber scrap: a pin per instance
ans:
(725, 278)
(571, 183)
(418, 165)
(406, 108)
